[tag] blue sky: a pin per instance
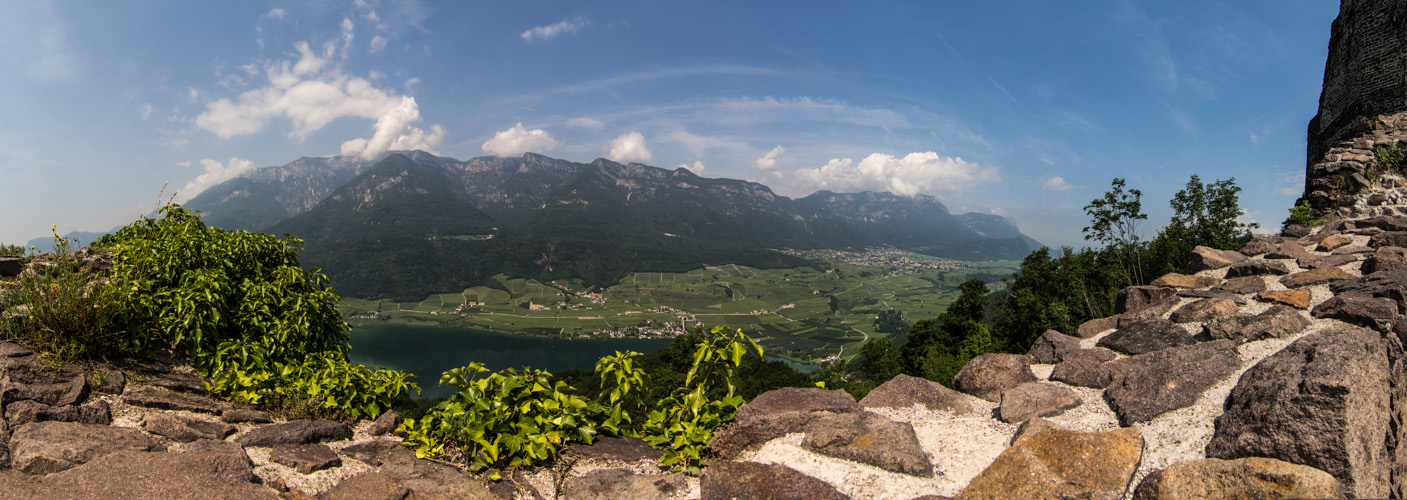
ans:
(1026, 109)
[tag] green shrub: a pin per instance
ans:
(684, 423)
(1390, 158)
(1302, 214)
(63, 308)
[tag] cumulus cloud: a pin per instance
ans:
(517, 140)
(566, 26)
(769, 160)
(1055, 183)
(215, 173)
(629, 148)
(311, 92)
(378, 43)
(697, 168)
(911, 175)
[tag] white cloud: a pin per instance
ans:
(697, 168)
(1055, 183)
(769, 160)
(911, 175)
(215, 173)
(585, 122)
(313, 91)
(517, 140)
(628, 148)
(378, 43)
(566, 26)
(146, 110)
(275, 13)
(186, 163)
(348, 33)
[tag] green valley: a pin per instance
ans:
(806, 314)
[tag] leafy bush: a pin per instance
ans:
(62, 307)
(11, 250)
(1390, 158)
(684, 423)
(1302, 214)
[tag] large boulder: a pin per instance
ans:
(987, 375)
(1244, 284)
(1084, 368)
(295, 432)
(23, 378)
(1385, 259)
(1147, 385)
(1278, 321)
(726, 480)
(1261, 243)
(904, 391)
(1036, 399)
(1323, 401)
(48, 447)
(1257, 267)
(305, 458)
(1373, 312)
(25, 411)
(1051, 346)
(776, 413)
(1146, 336)
(1138, 298)
(868, 438)
(1248, 478)
(1316, 277)
(1060, 463)
(185, 429)
(1204, 310)
(1384, 284)
(1204, 258)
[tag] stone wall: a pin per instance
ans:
(1366, 72)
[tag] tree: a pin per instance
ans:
(1114, 221)
(937, 351)
(881, 360)
(1203, 214)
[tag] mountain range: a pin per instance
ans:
(409, 223)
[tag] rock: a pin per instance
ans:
(26, 380)
(904, 391)
(1372, 312)
(107, 381)
(1147, 385)
(1177, 280)
(868, 438)
(241, 416)
(1060, 463)
(1388, 239)
(1154, 311)
(1204, 258)
(1323, 402)
(1277, 322)
(1035, 399)
(25, 411)
(166, 399)
(1212, 294)
(1257, 267)
(368, 486)
(987, 375)
(133, 474)
(1387, 284)
(1295, 231)
(305, 458)
(1146, 336)
(185, 430)
(176, 381)
(1330, 261)
(1244, 284)
(11, 352)
(726, 480)
(1385, 259)
(622, 484)
(1351, 250)
(1204, 310)
(1051, 347)
(1384, 222)
(1298, 299)
(1315, 277)
(10, 266)
(1261, 243)
(1084, 368)
(1097, 326)
(48, 447)
(1334, 241)
(1138, 298)
(295, 432)
(1253, 477)
(387, 422)
(793, 399)
(1291, 250)
(619, 449)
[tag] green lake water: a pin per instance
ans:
(428, 351)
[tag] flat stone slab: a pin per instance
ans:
(48, 447)
(1145, 386)
(793, 399)
(185, 430)
(1316, 277)
(1279, 321)
(987, 375)
(1036, 399)
(869, 438)
(305, 458)
(165, 399)
(904, 391)
(1146, 336)
(727, 480)
(1244, 284)
(295, 432)
(23, 379)
(1253, 477)
(623, 484)
(242, 416)
(1060, 463)
(133, 474)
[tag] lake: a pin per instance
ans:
(428, 351)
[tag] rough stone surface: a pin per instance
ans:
(987, 375)
(1035, 399)
(793, 399)
(1328, 261)
(1059, 463)
(1385, 284)
(1084, 368)
(1257, 267)
(868, 438)
(183, 429)
(1212, 294)
(26, 380)
(1323, 401)
(1179, 280)
(1298, 299)
(1291, 250)
(1051, 346)
(1204, 258)
(1261, 243)
(133, 474)
(1315, 277)
(619, 449)
(1388, 239)
(48, 447)
(1138, 298)
(1204, 310)
(1244, 284)
(167, 399)
(368, 486)
(295, 432)
(1385, 259)
(1145, 386)
(306, 458)
(1379, 313)
(1097, 326)
(1278, 321)
(1333, 241)
(727, 480)
(622, 484)
(904, 391)
(387, 422)
(242, 416)
(25, 411)
(1146, 336)
(1247, 478)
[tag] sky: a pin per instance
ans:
(1026, 109)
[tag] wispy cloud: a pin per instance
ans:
(604, 84)
(563, 27)
(914, 174)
